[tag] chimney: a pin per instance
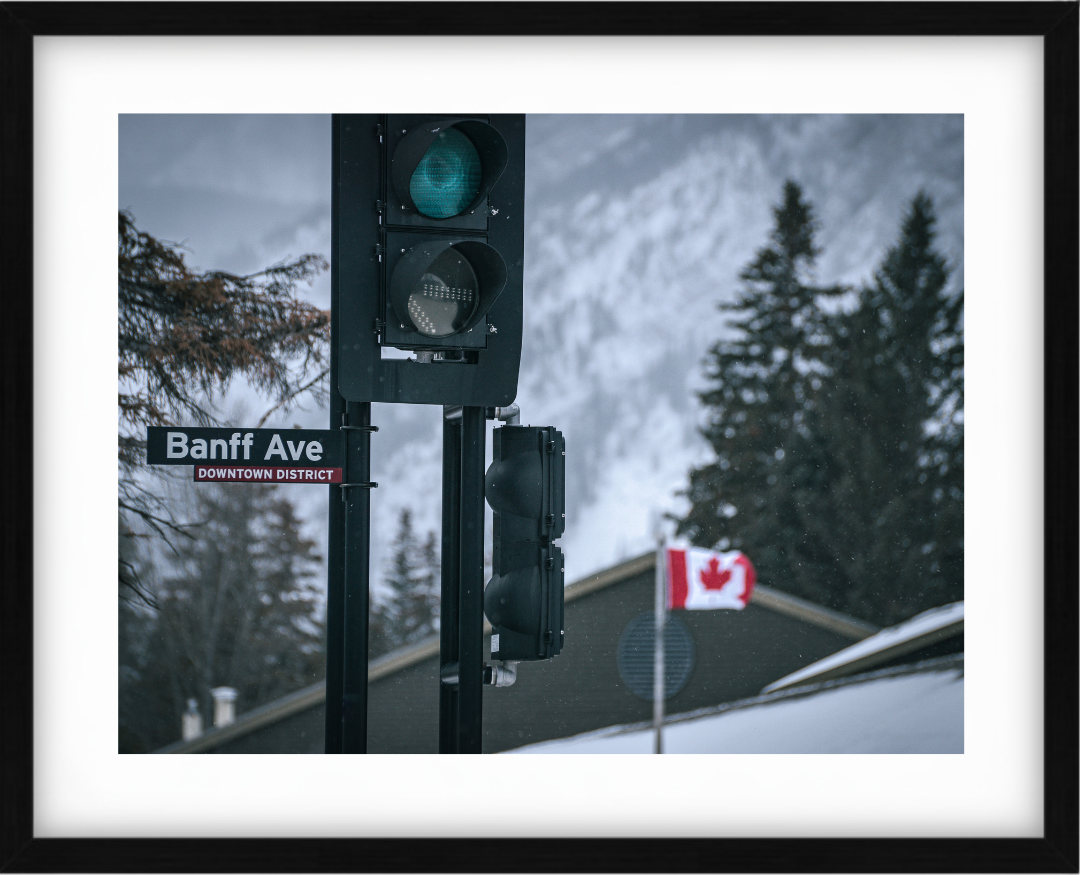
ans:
(191, 721)
(224, 709)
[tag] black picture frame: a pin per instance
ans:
(1056, 851)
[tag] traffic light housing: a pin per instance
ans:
(525, 486)
(428, 257)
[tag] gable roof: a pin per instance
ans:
(922, 630)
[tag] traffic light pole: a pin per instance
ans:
(462, 621)
(436, 269)
(335, 599)
(357, 499)
(448, 613)
(471, 582)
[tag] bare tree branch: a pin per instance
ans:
(299, 391)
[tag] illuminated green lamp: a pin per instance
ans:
(445, 167)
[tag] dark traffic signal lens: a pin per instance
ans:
(514, 600)
(444, 287)
(447, 179)
(446, 296)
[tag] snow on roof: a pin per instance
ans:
(889, 713)
(921, 630)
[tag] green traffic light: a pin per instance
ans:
(447, 178)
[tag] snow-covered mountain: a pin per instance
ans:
(636, 227)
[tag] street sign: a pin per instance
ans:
(265, 474)
(249, 455)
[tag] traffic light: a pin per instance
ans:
(525, 487)
(429, 251)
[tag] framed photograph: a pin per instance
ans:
(1004, 75)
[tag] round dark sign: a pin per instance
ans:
(636, 655)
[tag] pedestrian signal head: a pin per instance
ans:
(525, 486)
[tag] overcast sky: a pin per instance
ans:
(240, 192)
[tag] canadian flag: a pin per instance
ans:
(703, 580)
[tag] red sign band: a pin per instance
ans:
(266, 474)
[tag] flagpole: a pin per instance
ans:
(660, 606)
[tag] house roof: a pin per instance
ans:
(922, 630)
(315, 694)
(917, 708)
(308, 697)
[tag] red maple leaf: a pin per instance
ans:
(712, 577)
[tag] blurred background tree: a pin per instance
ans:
(240, 607)
(407, 608)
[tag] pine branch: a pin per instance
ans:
(286, 400)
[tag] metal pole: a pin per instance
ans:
(357, 499)
(448, 610)
(471, 582)
(335, 564)
(660, 607)
(335, 597)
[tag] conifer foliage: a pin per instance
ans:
(240, 606)
(836, 421)
(407, 610)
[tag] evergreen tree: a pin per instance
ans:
(764, 376)
(839, 436)
(429, 593)
(147, 718)
(408, 611)
(239, 608)
(891, 422)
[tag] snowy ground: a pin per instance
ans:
(908, 713)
